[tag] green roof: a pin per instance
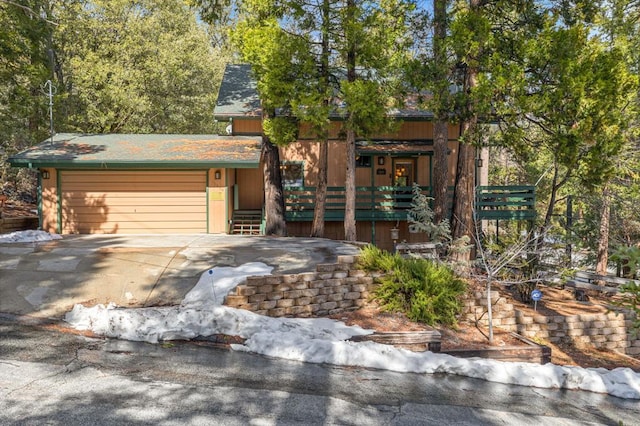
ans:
(141, 151)
(238, 95)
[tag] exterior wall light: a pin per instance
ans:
(45, 174)
(217, 175)
(381, 161)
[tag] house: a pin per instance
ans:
(126, 183)
(387, 166)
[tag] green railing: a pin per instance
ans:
(506, 202)
(392, 202)
(372, 202)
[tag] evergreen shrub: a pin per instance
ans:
(426, 291)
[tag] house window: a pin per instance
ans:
(292, 174)
(363, 161)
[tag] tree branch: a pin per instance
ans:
(29, 11)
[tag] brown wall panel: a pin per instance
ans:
(250, 189)
(247, 127)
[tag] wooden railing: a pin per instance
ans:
(506, 202)
(393, 202)
(372, 202)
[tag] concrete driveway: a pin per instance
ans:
(46, 279)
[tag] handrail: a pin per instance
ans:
(393, 202)
(506, 202)
(367, 197)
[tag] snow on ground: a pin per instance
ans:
(28, 237)
(322, 340)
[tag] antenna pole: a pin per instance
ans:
(48, 85)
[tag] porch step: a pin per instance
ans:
(246, 222)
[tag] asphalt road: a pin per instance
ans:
(48, 377)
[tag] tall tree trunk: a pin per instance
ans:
(275, 223)
(603, 242)
(350, 189)
(463, 195)
(440, 126)
(317, 227)
(350, 179)
(462, 220)
(440, 171)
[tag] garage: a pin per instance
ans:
(139, 183)
(133, 202)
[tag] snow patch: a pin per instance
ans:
(322, 340)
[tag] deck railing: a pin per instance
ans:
(506, 202)
(393, 202)
(372, 202)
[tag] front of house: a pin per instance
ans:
(386, 167)
(148, 184)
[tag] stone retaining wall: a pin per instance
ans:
(610, 330)
(333, 288)
(339, 287)
(475, 310)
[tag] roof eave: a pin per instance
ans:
(70, 164)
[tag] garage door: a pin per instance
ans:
(133, 202)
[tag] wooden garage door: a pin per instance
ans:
(133, 202)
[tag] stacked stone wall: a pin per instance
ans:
(475, 310)
(611, 330)
(332, 289)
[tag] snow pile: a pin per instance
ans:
(28, 237)
(321, 340)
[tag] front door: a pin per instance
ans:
(403, 178)
(403, 172)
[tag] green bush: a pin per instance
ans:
(424, 290)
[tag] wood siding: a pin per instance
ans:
(50, 202)
(307, 153)
(134, 202)
(247, 127)
(250, 187)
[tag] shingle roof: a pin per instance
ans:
(133, 150)
(238, 98)
(238, 95)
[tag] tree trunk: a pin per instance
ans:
(275, 223)
(462, 220)
(440, 126)
(350, 179)
(317, 228)
(440, 171)
(603, 242)
(350, 189)
(464, 194)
